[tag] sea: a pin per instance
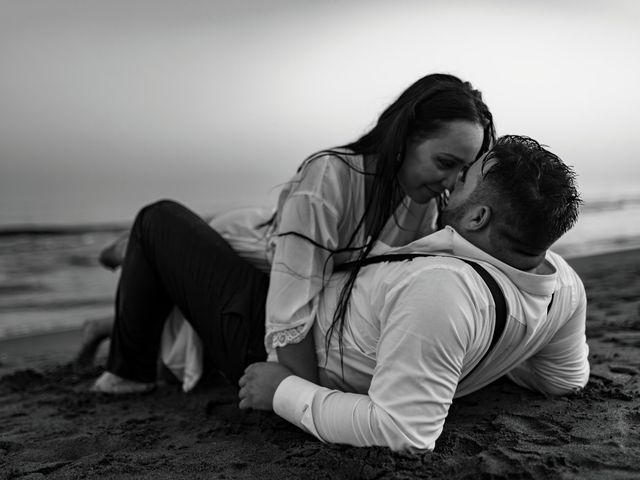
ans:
(50, 277)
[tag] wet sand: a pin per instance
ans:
(50, 426)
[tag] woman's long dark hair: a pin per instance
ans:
(420, 112)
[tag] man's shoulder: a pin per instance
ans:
(443, 275)
(443, 289)
(426, 263)
(454, 266)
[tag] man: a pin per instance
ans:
(417, 332)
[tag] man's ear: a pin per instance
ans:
(477, 218)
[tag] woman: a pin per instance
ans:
(385, 186)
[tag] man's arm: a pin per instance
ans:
(426, 330)
(561, 366)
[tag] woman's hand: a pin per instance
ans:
(259, 383)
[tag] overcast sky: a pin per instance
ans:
(230, 96)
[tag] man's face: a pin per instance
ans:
(458, 204)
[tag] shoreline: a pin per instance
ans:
(33, 351)
(580, 261)
(564, 251)
(28, 230)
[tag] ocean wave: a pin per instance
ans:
(55, 230)
(605, 204)
(57, 304)
(33, 253)
(21, 288)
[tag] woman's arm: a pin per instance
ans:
(301, 358)
(307, 233)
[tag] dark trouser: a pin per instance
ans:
(174, 258)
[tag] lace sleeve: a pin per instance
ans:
(288, 336)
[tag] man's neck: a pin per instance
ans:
(517, 258)
(545, 268)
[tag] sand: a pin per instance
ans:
(50, 426)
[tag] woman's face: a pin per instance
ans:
(431, 166)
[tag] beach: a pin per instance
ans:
(51, 426)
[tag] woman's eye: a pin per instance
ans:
(462, 175)
(446, 164)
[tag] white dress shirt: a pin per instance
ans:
(414, 328)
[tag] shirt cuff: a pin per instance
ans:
(292, 401)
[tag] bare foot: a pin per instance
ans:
(112, 384)
(94, 332)
(111, 257)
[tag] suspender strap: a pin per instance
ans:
(501, 310)
(494, 288)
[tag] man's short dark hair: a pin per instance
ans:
(532, 192)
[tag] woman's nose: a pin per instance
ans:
(449, 181)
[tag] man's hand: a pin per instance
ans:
(259, 383)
